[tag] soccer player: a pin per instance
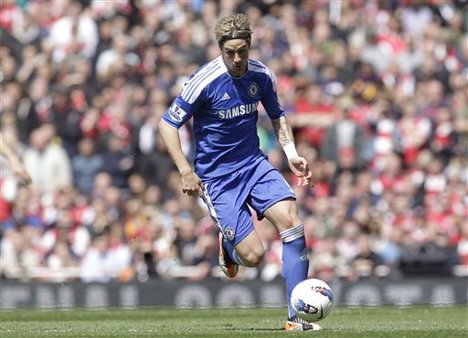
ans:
(230, 171)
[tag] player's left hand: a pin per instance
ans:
(300, 168)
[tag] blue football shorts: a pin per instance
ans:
(228, 198)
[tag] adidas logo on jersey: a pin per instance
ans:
(225, 97)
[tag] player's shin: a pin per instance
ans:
(295, 261)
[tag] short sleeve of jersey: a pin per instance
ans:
(270, 98)
(180, 111)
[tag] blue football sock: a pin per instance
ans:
(295, 261)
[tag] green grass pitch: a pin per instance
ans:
(418, 321)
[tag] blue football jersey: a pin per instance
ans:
(224, 111)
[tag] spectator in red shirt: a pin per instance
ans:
(312, 114)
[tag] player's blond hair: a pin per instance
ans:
(235, 26)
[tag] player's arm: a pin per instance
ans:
(14, 161)
(283, 131)
(191, 183)
(285, 138)
(171, 138)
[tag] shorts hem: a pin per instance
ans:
(240, 239)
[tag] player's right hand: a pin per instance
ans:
(192, 185)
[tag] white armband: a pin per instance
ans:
(290, 150)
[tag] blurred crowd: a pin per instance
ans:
(376, 92)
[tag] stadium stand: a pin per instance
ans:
(375, 91)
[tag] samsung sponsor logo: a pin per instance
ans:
(236, 111)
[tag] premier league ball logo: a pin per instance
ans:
(305, 308)
(326, 292)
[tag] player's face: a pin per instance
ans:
(235, 55)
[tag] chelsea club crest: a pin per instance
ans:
(253, 89)
(229, 233)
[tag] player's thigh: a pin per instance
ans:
(283, 214)
(272, 197)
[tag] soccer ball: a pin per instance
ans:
(312, 300)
